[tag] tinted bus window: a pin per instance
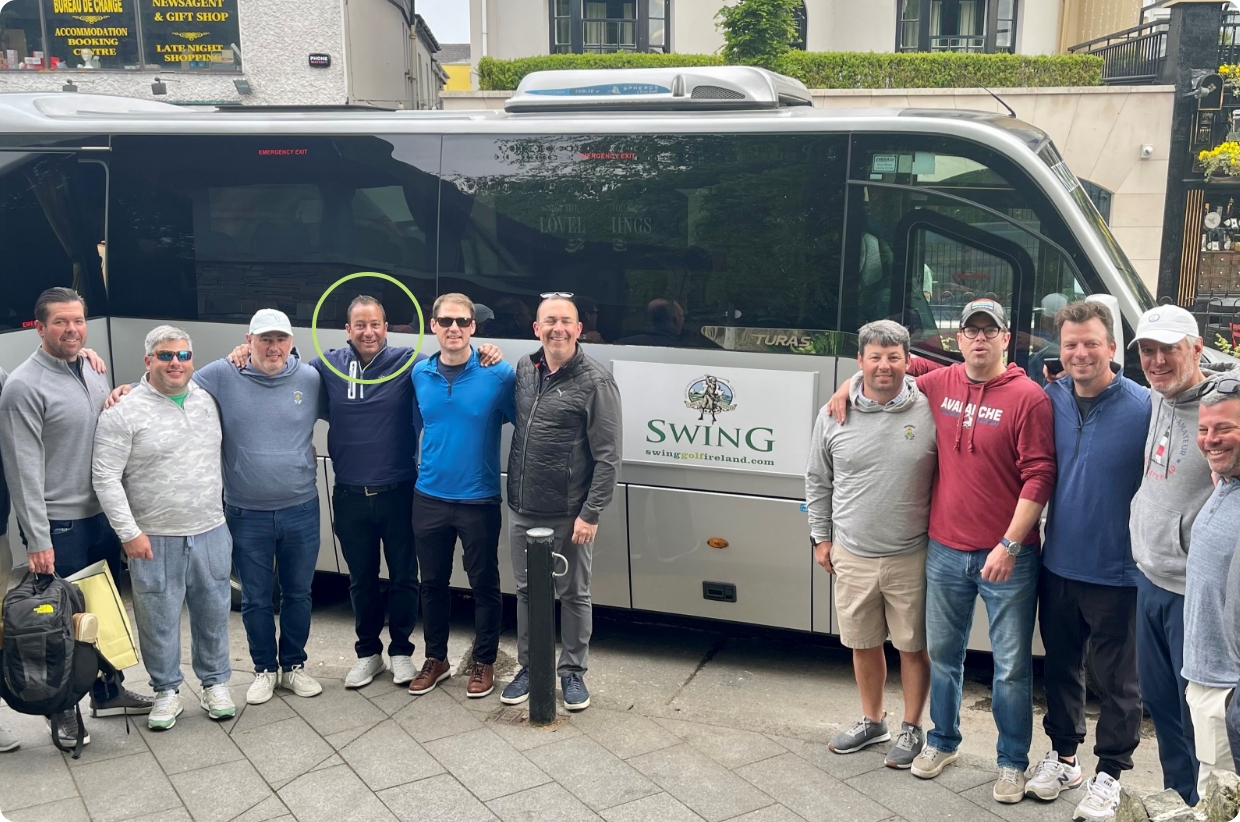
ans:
(214, 228)
(51, 230)
(695, 241)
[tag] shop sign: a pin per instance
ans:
(190, 34)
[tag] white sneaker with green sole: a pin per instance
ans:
(217, 702)
(167, 708)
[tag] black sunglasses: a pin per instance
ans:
(446, 322)
(1228, 385)
(166, 356)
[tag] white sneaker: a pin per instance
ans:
(262, 688)
(1101, 799)
(1051, 777)
(300, 682)
(167, 708)
(217, 702)
(403, 671)
(363, 671)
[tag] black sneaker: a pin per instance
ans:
(576, 697)
(67, 728)
(518, 690)
(126, 702)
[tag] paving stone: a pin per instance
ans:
(270, 808)
(957, 778)
(335, 709)
(485, 764)
(660, 807)
(66, 810)
(340, 740)
(841, 766)
(171, 815)
(1027, 810)
(334, 795)
(256, 716)
(392, 701)
(525, 737)
(623, 733)
(435, 716)
(709, 789)
(108, 739)
(283, 750)
(801, 787)
(385, 757)
(542, 803)
(126, 787)
(440, 798)
(35, 777)
(221, 792)
(330, 762)
(730, 747)
(592, 773)
(774, 813)
(31, 731)
(919, 800)
(196, 741)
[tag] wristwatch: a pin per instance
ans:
(1013, 548)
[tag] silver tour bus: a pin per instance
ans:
(724, 240)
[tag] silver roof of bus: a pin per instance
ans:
(707, 88)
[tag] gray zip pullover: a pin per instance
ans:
(867, 485)
(1207, 660)
(47, 434)
(1175, 485)
(157, 465)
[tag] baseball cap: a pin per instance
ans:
(1166, 324)
(266, 320)
(988, 307)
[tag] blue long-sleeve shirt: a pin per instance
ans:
(462, 420)
(1101, 459)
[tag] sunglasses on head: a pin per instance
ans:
(446, 322)
(166, 356)
(1229, 385)
(563, 295)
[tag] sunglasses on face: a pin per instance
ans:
(971, 331)
(446, 322)
(166, 356)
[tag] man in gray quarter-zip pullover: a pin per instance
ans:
(48, 412)
(157, 471)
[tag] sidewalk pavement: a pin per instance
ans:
(684, 725)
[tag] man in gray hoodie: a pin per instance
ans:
(1175, 485)
(867, 489)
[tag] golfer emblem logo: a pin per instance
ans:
(297, 398)
(910, 431)
(710, 395)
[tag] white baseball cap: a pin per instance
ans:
(1166, 324)
(267, 320)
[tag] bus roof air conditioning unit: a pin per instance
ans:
(710, 88)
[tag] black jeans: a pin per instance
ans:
(437, 524)
(1103, 618)
(362, 521)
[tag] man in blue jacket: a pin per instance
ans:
(462, 408)
(1087, 590)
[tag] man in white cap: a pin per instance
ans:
(267, 411)
(1175, 484)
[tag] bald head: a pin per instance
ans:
(559, 307)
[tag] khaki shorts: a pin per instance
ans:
(880, 596)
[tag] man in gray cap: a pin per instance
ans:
(1175, 484)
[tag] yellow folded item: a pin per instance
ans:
(115, 636)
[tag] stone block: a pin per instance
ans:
(1167, 801)
(1222, 800)
(1130, 808)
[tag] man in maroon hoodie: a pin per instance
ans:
(996, 470)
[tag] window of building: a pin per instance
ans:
(106, 35)
(978, 26)
(609, 26)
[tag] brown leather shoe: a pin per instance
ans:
(481, 681)
(433, 672)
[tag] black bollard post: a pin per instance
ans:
(538, 566)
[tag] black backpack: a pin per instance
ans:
(43, 669)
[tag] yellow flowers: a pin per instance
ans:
(1222, 159)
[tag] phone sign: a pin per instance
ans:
(320, 61)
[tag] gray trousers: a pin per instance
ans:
(572, 589)
(6, 563)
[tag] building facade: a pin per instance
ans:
(256, 52)
(454, 57)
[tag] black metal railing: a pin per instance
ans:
(967, 43)
(1229, 41)
(1130, 57)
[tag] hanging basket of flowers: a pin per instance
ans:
(1231, 77)
(1222, 160)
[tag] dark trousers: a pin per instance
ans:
(437, 524)
(1233, 728)
(362, 522)
(1160, 658)
(79, 543)
(1077, 616)
(265, 542)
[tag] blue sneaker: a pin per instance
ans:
(518, 690)
(576, 697)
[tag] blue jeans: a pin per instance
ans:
(953, 583)
(191, 571)
(287, 539)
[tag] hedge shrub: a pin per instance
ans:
(825, 69)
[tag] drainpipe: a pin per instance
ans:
(484, 28)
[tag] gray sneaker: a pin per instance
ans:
(8, 739)
(1010, 786)
(931, 761)
(909, 743)
(863, 733)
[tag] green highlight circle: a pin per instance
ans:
(314, 328)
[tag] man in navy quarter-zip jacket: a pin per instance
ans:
(1087, 590)
(462, 408)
